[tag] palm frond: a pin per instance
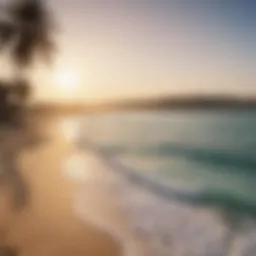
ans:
(7, 32)
(35, 31)
(27, 11)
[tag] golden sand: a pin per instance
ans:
(47, 225)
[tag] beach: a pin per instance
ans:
(84, 197)
(46, 224)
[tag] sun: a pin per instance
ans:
(67, 79)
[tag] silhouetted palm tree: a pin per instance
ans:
(28, 30)
(33, 30)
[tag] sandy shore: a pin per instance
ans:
(47, 225)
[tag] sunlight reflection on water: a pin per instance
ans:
(69, 128)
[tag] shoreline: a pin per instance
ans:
(98, 203)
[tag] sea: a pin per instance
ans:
(188, 177)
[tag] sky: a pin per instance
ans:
(116, 49)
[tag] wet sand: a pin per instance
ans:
(46, 225)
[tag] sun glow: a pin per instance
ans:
(67, 80)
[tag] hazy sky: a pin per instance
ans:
(140, 48)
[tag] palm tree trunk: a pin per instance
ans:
(19, 106)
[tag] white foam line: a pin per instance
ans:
(130, 245)
(90, 206)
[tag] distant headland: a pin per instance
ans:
(160, 103)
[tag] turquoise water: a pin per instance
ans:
(185, 179)
(213, 151)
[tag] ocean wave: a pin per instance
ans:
(181, 220)
(168, 190)
(233, 159)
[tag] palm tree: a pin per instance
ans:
(29, 32)
(34, 32)
(26, 30)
